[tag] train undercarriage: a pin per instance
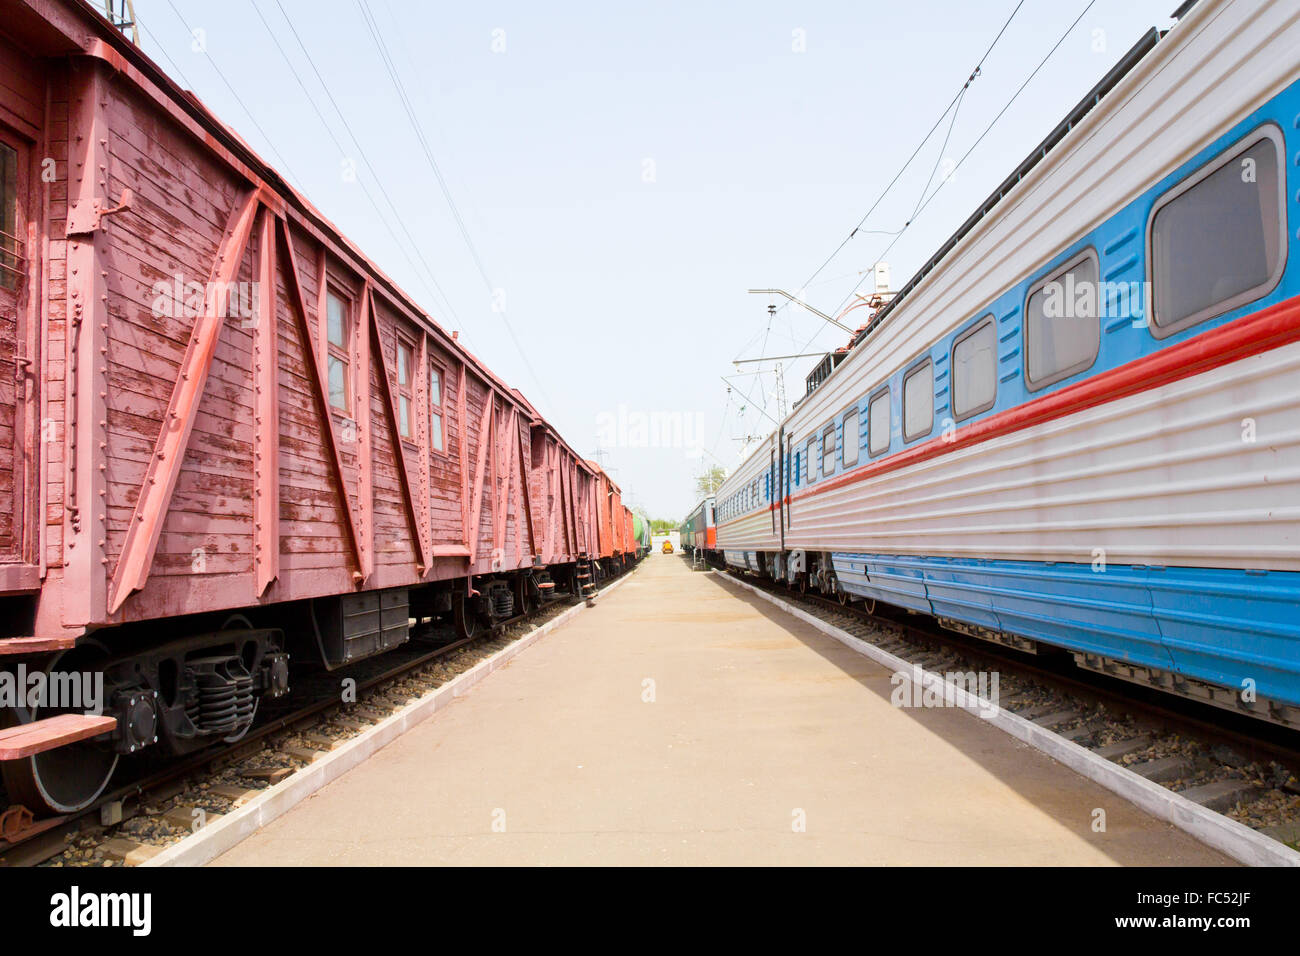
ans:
(167, 696)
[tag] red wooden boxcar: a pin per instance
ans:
(222, 428)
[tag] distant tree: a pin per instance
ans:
(663, 525)
(709, 482)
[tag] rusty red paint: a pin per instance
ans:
(196, 464)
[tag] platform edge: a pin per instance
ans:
(1209, 827)
(234, 827)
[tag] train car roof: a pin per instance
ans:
(74, 27)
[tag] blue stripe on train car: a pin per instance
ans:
(895, 580)
(1218, 625)
(1226, 626)
(742, 559)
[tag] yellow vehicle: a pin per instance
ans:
(668, 547)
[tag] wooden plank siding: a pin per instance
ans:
(197, 465)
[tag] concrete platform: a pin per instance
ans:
(680, 722)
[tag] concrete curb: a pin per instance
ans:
(1213, 829)
(216, 838)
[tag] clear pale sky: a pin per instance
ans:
(626, 171)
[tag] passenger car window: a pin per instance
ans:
(918, 401)
(849, 439)
(974, 370)
(1062, 331)
(1216, 241)
(878, 418)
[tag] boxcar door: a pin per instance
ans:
(14, 373)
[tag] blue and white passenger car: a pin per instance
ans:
(1079, 424)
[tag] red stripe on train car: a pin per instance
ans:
(1268, 329)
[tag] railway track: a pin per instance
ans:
(138, 819)
(1241, 767)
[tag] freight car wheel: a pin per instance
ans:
(467, 622)
(68, 778)
(525, 603)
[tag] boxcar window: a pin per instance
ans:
(828, 449)
(878, 423)
(1218, 243)
(435, 409)
(1062, 332)
(974, 370)
(810, 457)
(849, 439)
(404, 393)
(11, 247)
(338, 331)
(918, 401)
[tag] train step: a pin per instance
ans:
(41, 735)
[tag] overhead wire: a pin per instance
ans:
(925, 200)
(238, 99)
(956, 100)
(440, 297)
(356, 142)
(928, 199)
(376, 34)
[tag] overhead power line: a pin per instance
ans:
(390, 66)
(258, 126)
(440, 297)
(956, 100)
(410, 244)
(927, 199)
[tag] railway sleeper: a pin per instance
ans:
(1226, 698)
